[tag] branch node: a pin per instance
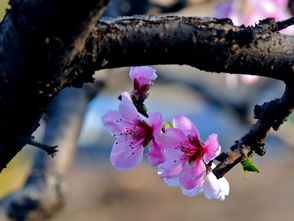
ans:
(51, 150)
(222, 156)
(260, 149)
(244, 154)
(257, 111)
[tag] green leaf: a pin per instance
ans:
(144, 108)
(248, 165)
(167, 125)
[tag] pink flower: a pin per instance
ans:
(142, 77)
(185, 154)
(132, 135)
(212, 187)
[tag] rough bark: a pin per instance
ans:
(48, 38)
(43, 194)
(205, 43)
(37, 39)
(270, 115)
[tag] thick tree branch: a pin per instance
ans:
(55, 49)
(37, 39)
(43, 193)
(205, 43)
(270, 115)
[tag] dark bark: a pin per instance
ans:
(270, 115)
(43, 194)
(42, 51)
(205, 43)
(37, 39)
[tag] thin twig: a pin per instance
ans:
(49, 149)
(270, 115)
(284, 24)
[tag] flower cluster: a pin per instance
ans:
(176, 148)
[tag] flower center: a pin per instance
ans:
(194, 151)
(144, 131)
(138, 132)
(141, 89)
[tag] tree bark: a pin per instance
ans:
(48, 45)
(38, 37)
(43, 194)
(209, 44)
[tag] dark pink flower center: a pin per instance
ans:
(145, 132)
(193, 151)
(140, 132)
(141, 89)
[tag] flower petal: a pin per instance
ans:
(156, 123)
(168, 142)
(192, 175)
(173, 182)
(112, 121)
(211, 187)
(193, 192)
(143, 74)
(127, 108)
(224, 188)
(123, 157)
(155, 154)
(183, 123)
(212, 148)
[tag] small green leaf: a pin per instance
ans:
(248, 165)
(144, 108)
(167, 125)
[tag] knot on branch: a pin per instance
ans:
(259, 148)
(270, 115)
(51, 150)
(273, 111)
(265, 110)
(270, 25)
(245, 37)
(267, 25)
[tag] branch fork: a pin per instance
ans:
(50, 150)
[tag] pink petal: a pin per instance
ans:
(171, 138)
(173, 182)
(192, 175)
(112, 121)
(170, 171)
(212, 148)
(127, 108)
(143, 74)
(156, 123)
(193, 192)
(123, 157)
(183, 123)
(155, 154)
(168, 142)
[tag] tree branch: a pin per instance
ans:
(209, 44)
(43, 193)
(270, 115)
(37, 39)
(56, 49)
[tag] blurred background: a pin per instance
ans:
(217, 103)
